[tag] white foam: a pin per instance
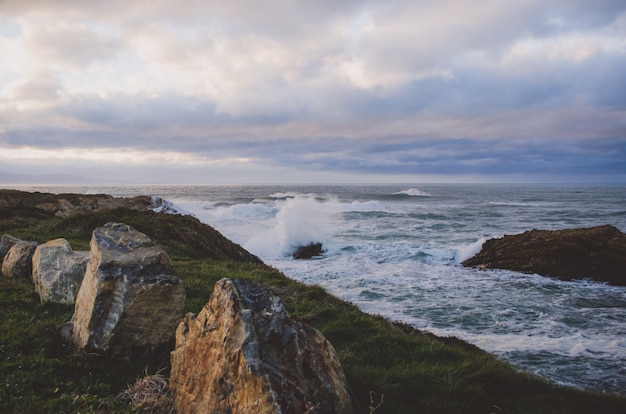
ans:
(161, 205)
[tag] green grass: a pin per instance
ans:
(416, 371)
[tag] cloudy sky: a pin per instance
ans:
(197, 91)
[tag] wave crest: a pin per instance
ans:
(413, 192)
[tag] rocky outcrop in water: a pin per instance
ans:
(129, 298)
(597, 253)
(243, 354)
(308, 251)
(58, 271)
(17, 262)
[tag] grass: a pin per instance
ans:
(415, 371)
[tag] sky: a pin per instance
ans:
(279, 91)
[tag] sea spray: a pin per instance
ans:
(469, 250)
(300, 220)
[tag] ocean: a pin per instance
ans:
(395, 250)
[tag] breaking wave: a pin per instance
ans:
(413, 192)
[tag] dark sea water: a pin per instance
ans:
(395, 250)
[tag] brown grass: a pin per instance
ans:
(150, 395)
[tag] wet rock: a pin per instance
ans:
(597, 253)
(58, 271)
(308, 251)
(243, 354)
(128, 299)
(18, 260)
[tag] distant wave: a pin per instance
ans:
(413, 192)
(513, 204)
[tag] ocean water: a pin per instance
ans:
(395, 250)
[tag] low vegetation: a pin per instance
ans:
(415, 371)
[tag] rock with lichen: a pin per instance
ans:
(58, 271)
(243, 354)
(17, 262)
(129, 298)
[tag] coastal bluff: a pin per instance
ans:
(597, 253)
(68, 205)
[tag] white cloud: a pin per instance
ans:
(118, 156)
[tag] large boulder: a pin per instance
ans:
(18, 260)
(597, 253)
(58, 271)
(6, 242)
(128, 299)
(243, 354)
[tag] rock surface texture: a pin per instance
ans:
(18, 262)
(58, 271)
(6, 242)
(597, 253)
(243, 354)
(128, 299)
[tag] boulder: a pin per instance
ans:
(129, 299)
(58, 271)
(243, 354)
(6, 242)
(18, 260)
(597, 253)
(308, 251)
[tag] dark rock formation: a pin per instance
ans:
(128, 299)
(309, 251)
(597, 253)
(58, 271)
(18, 262)
(243, 354)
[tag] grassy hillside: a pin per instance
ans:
(416, 371)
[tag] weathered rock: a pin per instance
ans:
(6, 242)
(128, 299)
(18, 260)
(309, 251)
(58, 271)
(598, 253)
(243, 354)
